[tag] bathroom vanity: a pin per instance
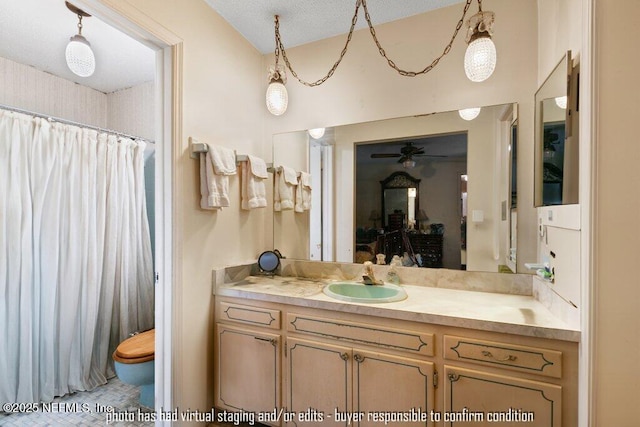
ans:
(441, 353)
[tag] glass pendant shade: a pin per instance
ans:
(277, 98)
(480, 59)
(409, 163)
(469, 113)
(316, 133)
(80, 58)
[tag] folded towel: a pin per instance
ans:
(215, 167)
(223, 159)
(254, 192)
(285, 183)
(305, 191)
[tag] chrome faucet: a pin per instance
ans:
(368, 278)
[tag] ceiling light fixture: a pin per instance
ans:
(469, 113)
(316, 133)
(80, 58)
(480, 58)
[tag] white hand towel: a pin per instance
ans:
(303, 193)
(305, 181)
(285, 183)
(254, 192)
(219, 163)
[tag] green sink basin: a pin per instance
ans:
(358, 292)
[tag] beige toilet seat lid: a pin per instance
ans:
(137, 349)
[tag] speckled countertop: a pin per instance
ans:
(497, 312)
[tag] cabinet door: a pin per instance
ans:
(471, 395)
(247, 370)
(387, 385)
(318, 381)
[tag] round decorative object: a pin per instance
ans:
(80, 58)
(277, 98)
(316, 133)
(268, 262)
(480, 59)
(469, 113)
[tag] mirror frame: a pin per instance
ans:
(399, 179)
(563, 70)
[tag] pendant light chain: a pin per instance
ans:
(280, 47)
(281, 50)
(425, 70)
(79, 24)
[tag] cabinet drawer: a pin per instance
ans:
(397, 339)
(520, 358)
(248, 315)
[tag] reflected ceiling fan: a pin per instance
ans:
(406, 154)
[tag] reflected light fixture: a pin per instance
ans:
(80, 58)
(561, 101)
(469, 113)
(479, 61)
(316, 133)
(409, 163)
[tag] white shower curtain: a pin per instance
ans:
(75, 255)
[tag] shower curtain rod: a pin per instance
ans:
(71, 122)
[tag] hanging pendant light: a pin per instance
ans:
(80, 58)
(480, 57)
(277, 97)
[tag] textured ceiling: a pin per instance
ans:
(304, 21)
(36, 33)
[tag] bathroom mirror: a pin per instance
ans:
(556, 137)
(349, 208)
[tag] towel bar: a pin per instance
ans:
(200, 147)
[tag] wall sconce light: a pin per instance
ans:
(479, 62)
(469, 113)
(80, 58)
(316, 133)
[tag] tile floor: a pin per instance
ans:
(89, 410)
(122, 398)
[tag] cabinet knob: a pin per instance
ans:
(358, 358)
(453, 377)
(507, 358)
(344, 356)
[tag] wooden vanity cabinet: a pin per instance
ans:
(312, 363)
(330, 379)
(247, 359)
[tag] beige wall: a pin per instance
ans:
(131, 110)
(30, 89)
(223, 103)
(364, 88)
(560, 30)
(617, 228)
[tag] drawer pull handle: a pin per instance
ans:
(358, 358)
(344, 356)
(272, 341)
(507, 358)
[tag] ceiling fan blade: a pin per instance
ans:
(384, 155)
(429, 155)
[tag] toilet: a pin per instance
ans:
(134, 364)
